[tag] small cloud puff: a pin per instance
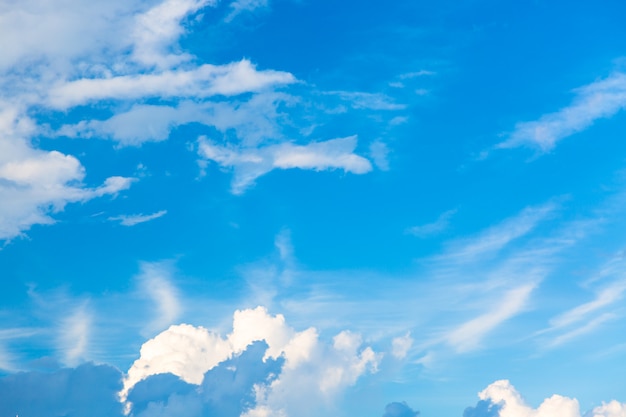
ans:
(401, 345)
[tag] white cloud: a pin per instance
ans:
(610, 409)
(32, 30)
(379, 152)
(497, 237)
(62, 61)
(240, 6)
(604, 298)
(370, 101)
(183, 350)
(311, 387)
(588, 327)
(401, 345)
(598, 100)
(155, 282)
(142, 123)
(189, 352)
(158, 28)
(587, 317)
(204, 81)
(249, 164)
(511, 403)
(416, 74)
(35, 183)
(74, 335)
(312, 371)
(253, 120)
(430, 229)
(131, 220)
(469, 335)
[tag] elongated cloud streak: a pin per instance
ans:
(599, 100)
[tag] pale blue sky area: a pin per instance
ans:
(292, 208)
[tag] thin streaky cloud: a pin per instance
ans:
(587, 328)
(469, 335)
(416, 74)
(133, 219)
(240, 6)
(430, 229)
(598, 100)
(75, 333)
(18, 333)
(204, 81)
(155, 282)
(604, 298)
(499, 236)
(370, 101)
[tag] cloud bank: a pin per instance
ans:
(501, 399)
(311, 374)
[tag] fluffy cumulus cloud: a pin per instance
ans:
(263, 367)
(310, 375)
(226, 390)
(501, 399)
(401, 345)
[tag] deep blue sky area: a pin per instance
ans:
(293, 208)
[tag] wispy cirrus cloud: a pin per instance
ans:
(251, 163)
(497, 237)
(609, 287)
(74, 335)
(604, 298)
(598, 100)
(240, 6)
(468, 335)
(155, 283)
(577, 332)
(436, 227)
(134, 219)
(364, 100)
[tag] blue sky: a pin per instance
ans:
(281, 208)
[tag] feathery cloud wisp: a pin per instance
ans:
(598, 100)
(131, 220)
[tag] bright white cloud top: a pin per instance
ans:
(254, 208)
